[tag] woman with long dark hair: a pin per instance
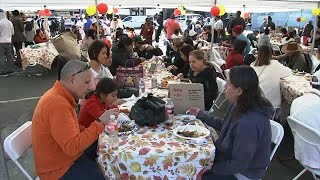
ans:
(183, 71)
(121, 53)
(244, 145)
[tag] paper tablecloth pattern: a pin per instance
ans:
(294, 86)
(42, 55)
(155, 153)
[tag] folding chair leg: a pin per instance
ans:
(23, 170)
(218, 106)
(300, 174)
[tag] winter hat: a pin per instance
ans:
(237, 29)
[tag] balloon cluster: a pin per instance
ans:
(179, 10)
(45, 12)
(301, 19)
(219, 10)
(102, 8)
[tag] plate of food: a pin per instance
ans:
(192, 132)
(127, 128)
(187, 117)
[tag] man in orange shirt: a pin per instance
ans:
(62, 150)
(171, 25)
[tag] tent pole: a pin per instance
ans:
(315, 28)
(212, 32)
(98, 26)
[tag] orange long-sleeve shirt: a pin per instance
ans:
(56, 136)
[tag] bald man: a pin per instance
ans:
(58, 141)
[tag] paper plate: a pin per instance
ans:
(202, 130)
(187, 118)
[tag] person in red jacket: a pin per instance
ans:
(235, 57)
(40, 37)
(103, 98)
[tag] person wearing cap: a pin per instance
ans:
(237, 33)
(6, 32)
(238, 20)
(143, 49)
(190, 39)
(293, 56)
(306, 110)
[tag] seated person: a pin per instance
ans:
(284, 33)
(253, 37)
(204, 73)
(270, 72)
(316, 61)
(174, 57)
(235, 57)
(144, 50)
(76, 34)
(237, 33)
(244, 145)
(40, 37)
(103, 98)
(293, 56)
(121, 53)
(62, 149)
(184, 54)
(264, 39)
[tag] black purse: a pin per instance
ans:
(148, 111)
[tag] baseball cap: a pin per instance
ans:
(192, 33)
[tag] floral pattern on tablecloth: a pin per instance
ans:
(42, 55)
(155, 153)
(294, 86)
(223, 51)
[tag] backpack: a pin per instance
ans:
(308, 63)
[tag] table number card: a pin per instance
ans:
(186, 95)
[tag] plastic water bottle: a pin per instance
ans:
(142, 86)
(169, 107)
(112, 129)
(163, 68)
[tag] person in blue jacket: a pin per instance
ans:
(244, 146)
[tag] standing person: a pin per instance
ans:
(238, 20)
(244, 145)
(6, 32)
(76, 34)
(88, 23)
(264, 24)
(218, 26)
(66, 152)
(270, 25)
(62, 25)
(30, 33)
(147, 31)
(170, 26)
(306, 34)
(53, 27)
(18, 38)
(160, 27)
(264, 38)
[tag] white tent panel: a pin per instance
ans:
(205, 5)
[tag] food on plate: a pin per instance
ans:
(125, 111)
(164, 81)
(186, 118)
(192, 134)
(126, 127)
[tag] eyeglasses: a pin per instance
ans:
(82, 70)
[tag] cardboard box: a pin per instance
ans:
(185, 96)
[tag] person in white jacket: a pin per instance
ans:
(269, 73)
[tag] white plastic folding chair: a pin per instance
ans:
(221, 84)
(17, 143)
(218, 69)
(307, 134)
(277, 133)
(276, 48)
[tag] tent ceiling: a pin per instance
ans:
(205, 5)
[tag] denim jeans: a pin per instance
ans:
(6, 59)
(85, 167)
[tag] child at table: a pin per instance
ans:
(103, 98)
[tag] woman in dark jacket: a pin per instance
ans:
(204, 73)
(121, 53)
(244, 145)
(184, 54)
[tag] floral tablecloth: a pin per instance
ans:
(41, 55)
(155, 153)
(223, 51)
(293, 87)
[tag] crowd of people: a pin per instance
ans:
(240, 154)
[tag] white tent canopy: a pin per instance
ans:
(203, 5)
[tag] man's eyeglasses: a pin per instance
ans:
(82, 70)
